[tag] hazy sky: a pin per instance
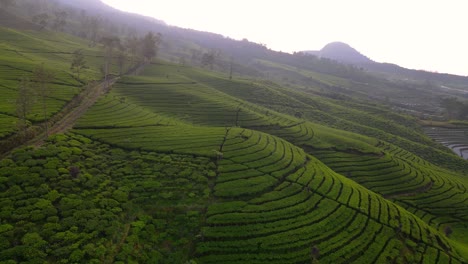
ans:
(418, 34)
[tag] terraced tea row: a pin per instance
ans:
(114, 111)
(433, 194)
(454, 138)
(204, 141)
(7, 125)
(284, 205)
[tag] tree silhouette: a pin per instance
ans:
(78, 62)
(24, 103)
(150, 45)
(110, 43)
(43, 77)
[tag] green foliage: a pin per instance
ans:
(106, 212)
(181, 165)
(20, 54)
(78, 62)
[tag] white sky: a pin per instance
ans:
(430, 35)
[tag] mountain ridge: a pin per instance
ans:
(341, 52)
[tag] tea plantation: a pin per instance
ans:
(184, 165)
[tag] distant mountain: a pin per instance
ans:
(341, 52)
(344, 53)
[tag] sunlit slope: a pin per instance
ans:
(267, 189)
(170, 98)
(195, 103)
(273, 203)
(337, 112)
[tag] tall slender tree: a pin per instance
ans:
(43, 77)
(109, 44)
(24, 103)
(60, 20)
(41, 19)
(150, 45)
(78, 62)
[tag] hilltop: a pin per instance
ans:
(341, 52)
(212, 150)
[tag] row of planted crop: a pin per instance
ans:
(202, 104)
(179, 139)
(199, 111)
(111, 112)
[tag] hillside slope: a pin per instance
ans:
(243, 178)
(180, 164)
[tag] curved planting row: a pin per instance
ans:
(276, 204)
(254, 162)
(7, 125)
(112, 111)
(300, 133)
(190, 102)
(454, 138)
(203, 141)
(433, 194)
(197, 103)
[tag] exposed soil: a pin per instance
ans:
(88, 98)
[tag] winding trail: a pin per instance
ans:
(64, 120)
(89, 97)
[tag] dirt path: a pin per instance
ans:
(66, 118)
(89, 98)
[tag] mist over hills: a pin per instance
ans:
(344, 53)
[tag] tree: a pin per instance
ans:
(208, 59)
(121, 59)
(78, 62)
(230, 67)
(133, 45)
(60, 20)
(24, 103)
(109, 44)
(43, 77)
(41, 19)
(150, 45)
(94, 25)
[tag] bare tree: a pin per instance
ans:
(150, 45)
(78, 62)
(230, 67)
(208, 59)
(41, 19)
(94, 25)
(133, 45)
(24, 103)
(60, 20)
(121, 59)
(109, 43)
(43, 77)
